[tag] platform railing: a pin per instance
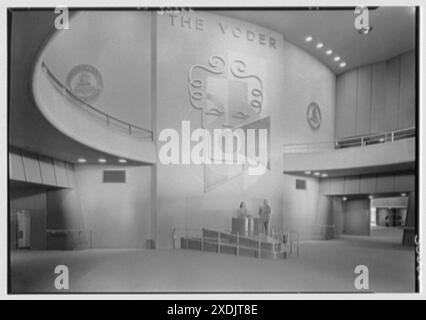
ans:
(109, 120)
(353, 141)
(76, 237)
(288, 239)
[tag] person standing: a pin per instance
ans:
(265, 214)
(242, 211)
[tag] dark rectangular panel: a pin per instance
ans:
(300, 184)
(114, 176)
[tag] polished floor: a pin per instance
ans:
(323, 266)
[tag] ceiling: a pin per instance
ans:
(393, 32)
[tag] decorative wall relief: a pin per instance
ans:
(85, 81)
(225, 92)
(313, 115)
(228, 96)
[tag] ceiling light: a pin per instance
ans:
(320, 45)
(324, 175)
(365, 30)
(370, 197)
(308, 39)
(81, 160)
(122, 160)
(344, 198)
(317, 173)
(336, 58)
(328, 52)
(342, 64)
(308, 172)
(403, 194)
(102, 160)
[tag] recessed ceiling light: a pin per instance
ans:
(308, 39)
(81, 160)
(344, 198)
(336, 58)
(317, 173)
(122, 160)
(320, 45)
(403, 194)
(308, 172)
(328, 52)
(342, 64)
(365, 30)
(324, 175)
(102, 160)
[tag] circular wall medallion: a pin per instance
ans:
(85, 82)
(313, 115)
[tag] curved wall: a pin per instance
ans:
(117, 44)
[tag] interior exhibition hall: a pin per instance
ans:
(203, 151)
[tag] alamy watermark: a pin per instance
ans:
(225, 146)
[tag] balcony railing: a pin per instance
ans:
(350, 142)
(111, 121)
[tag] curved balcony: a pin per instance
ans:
(381, 152)
(87, 124)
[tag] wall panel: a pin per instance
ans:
(385, 183)
(378, 98)
(406, 111)
(32, 168)
(404, 182)
(16, 167)
(337, 186)
(352, 185)
(367, 184)
(392, 93)
(363, 100)
(47, 170)
(61, 173)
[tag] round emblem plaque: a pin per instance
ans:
(85, 82)
(313, 115)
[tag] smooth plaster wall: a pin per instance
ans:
(117, 213)
(292, 79)
(117, 43)
(377, 97)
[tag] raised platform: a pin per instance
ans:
(262, 246)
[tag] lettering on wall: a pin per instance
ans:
(199, 24)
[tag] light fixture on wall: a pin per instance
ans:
(81, 160)
(320, 45)
(308, 172)
(403, 194)
(308, 39)
(324, 175)
(102, 160)
(317, 174)
(370, 197)
(336, 58)
(122, 160)
(328, 52)
(344, 198)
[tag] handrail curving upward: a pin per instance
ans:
(131, 129)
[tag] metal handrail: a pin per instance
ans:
(354, 141)
(292, 239)
(62, 89)
(59, 231)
